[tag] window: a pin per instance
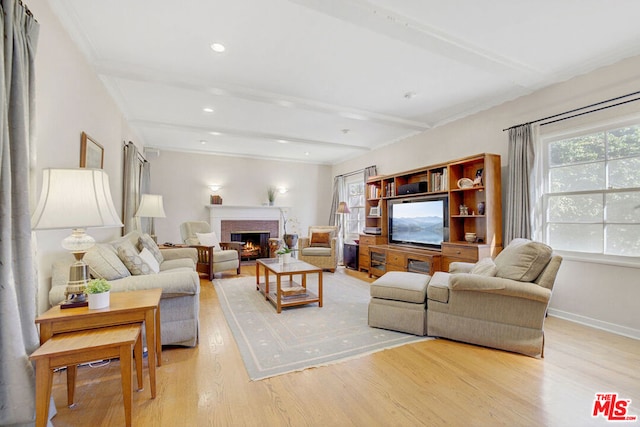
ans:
(592, 191)
(354, 189)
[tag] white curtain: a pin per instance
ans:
(519, 185)
(18, 278)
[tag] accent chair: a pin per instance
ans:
(499, 303)
(319, 247)
(213, 256)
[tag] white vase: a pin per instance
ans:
(286, 258)
(97, 301)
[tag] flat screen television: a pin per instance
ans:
(420, 221)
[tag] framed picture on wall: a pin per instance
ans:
(91, 153)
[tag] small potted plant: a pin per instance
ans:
(98, 292)
(284, 253)
(271, 195)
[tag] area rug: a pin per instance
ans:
(305, 336)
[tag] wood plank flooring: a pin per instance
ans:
(433, 383)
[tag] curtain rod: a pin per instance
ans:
(351, 173)
(140, 156)
(579, 109)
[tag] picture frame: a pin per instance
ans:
(91, 153)
(374, 211)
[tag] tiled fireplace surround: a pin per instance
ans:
(225, 220)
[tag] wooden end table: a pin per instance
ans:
(124, 308)
(295, 267)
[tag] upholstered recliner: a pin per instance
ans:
(499, 303)
(213, 256)
(319, 248)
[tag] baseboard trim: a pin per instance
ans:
(594, 323)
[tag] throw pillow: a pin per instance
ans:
(148, 257)
(485, 267)
(104, 263)
(129, 255)
(322, 240)
(147, 242)
(209, 239)
(523, 260)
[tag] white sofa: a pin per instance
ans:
(178, 279)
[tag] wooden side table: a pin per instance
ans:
(70, 349)
(124, 308)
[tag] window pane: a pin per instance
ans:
(623, 207)
(623, 240)
(576, 237)
(576, 178)
(576, 208)
(624, 142)
(624, 173)
(587, 148)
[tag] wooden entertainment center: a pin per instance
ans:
(474, 206)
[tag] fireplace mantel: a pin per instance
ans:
(218, 213)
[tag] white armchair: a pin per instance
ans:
(212, 257)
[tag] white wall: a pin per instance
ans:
(70, 99)
(183, 179)
(597, 294)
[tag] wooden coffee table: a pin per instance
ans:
(124, 308)
(293, 268)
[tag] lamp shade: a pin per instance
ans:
(75, 198)
(343, 208)
(151, 206)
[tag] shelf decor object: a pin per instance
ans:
(465, 183)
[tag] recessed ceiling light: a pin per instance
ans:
(203, 142)
(218, 47)
(306, 153)
(282, 141)
(215, 133)
(207, 110)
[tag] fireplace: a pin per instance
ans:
(256, 243)
(255, 233)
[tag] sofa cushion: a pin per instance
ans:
(438, 289)
(401, 286)
(225, 255)
(104, 263)
(129, 255)
(316, 251)
(151, 261)
(523, 260)
(145, 241)
(320, 239)
(485, 267)
(209, 239)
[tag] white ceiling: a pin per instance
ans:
(330, 77)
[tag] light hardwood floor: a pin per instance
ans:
(432, 383)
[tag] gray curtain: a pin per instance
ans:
(135, 176)
(521, 162)
(370, 171)
(18, 278)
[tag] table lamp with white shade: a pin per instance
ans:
(75, 199)
(151, 207)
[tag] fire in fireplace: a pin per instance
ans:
(256, 243)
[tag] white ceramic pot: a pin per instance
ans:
(286, 258)
(97, 301)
